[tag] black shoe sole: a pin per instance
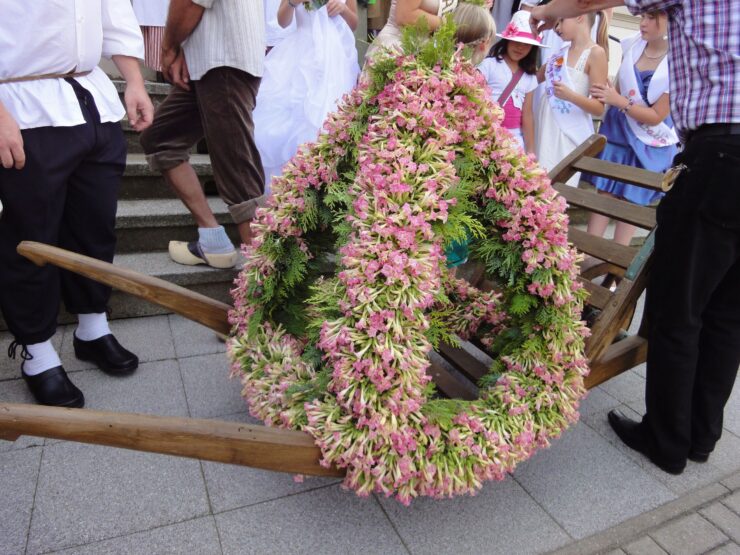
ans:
(698, 457)
(119, 371)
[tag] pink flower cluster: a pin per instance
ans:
(375, 418)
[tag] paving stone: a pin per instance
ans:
(724, 519)
(193, 339)
(615, 552)
(15, 391)
(733, 481)
(10, 368)
(695, 475)
(232, 486)
(688, 535)
(18, 474)
(198, 536)
(89, 493)
(597, 401)
(210, 391)
(149, 338)
(322, 521)
(155, 388)
(644, 546)
(587, 485)
(502, 518)
(626, 387)
(726, 454)
(733, 502)
(727, 549)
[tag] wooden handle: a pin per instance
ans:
(194, 306)
(211, 440)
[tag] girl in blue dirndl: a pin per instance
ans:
(638, 125)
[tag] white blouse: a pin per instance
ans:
(151, 13)
(498, 75)
(59, 36)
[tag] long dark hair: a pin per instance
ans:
(528, 63)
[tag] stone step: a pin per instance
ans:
(211, 282)
(139, 182)
(149, 225)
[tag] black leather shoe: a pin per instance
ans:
(633, 436)
(108, 354)
(699, 455)
(53, 388)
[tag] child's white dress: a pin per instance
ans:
(305, 75)
(552, 142)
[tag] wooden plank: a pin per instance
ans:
(621, 210)
(628, 174)
(598, 296)
(565, 169)
(593, 267)
(618, 358)
(211, 440)
(449, 380)
(464, 360)
(194, 306)
(599, 247)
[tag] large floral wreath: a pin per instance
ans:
(413, 161)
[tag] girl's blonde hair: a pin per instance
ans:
(602, 31)
(474, 24)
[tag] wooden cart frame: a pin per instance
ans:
(455, 370)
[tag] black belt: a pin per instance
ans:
(714, 130)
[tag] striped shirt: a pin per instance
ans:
(704, 59)
(231, 33)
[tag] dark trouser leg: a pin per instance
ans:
(226, 99)
(34, 201)
(89, 222)
(697, 248)
(717, 358)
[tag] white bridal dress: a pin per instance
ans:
(305, 75)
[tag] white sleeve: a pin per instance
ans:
(485, 68)
(121, 32)
(530, 83)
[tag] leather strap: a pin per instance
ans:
(45, 76)
(510, 87)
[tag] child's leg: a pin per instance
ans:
(623, 233)
(597, 224)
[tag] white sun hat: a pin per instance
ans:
(519, 30)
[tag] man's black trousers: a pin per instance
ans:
(66, 195)
(693, 301)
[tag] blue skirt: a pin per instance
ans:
(623, 155)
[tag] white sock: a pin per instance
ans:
(92, 326)
(44, 358)
(214, 240)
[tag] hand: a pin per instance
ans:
(488, 4)
(11, 142)
(561, 91)
(540, 21)
(175, 67)
(335, 7)
(608, 95)
(139, 107)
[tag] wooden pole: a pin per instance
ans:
(211, 440)
(194, 306)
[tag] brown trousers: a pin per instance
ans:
(218, 107)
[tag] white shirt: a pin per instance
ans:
(58, 36)
(230, 34)
(151, 13)
(498, 75)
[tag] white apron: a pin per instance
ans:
(574, 122)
